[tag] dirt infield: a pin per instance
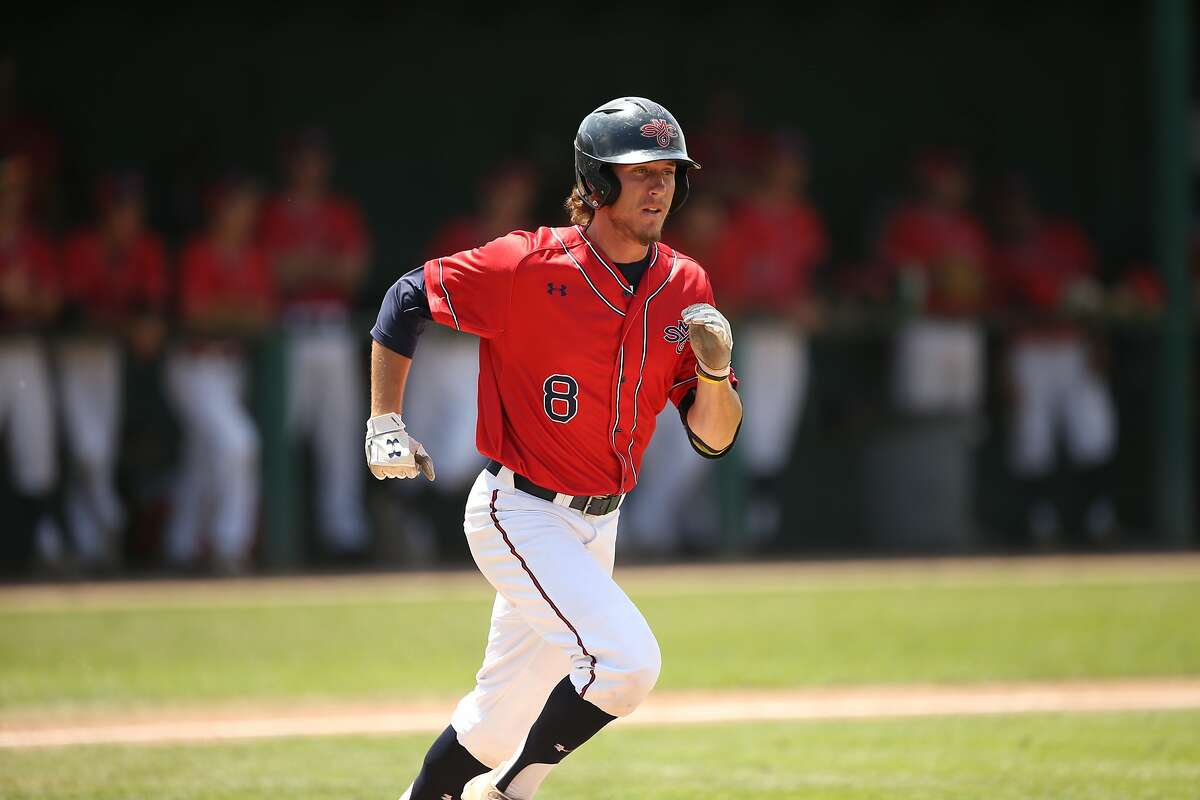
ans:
(678, 708)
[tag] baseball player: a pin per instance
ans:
(114, 287)
(1046, 269)
(226, 297)
(29, 299)
(939, 254)
(774, 242)
(318, 248)
(586, 332)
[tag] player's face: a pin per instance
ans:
(238, 215)
(646, 194)
(125, 220)
(14, 185)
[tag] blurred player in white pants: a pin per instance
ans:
(114, 286)
(29, 298)
(763, 272)
(442, 397)
(937, 256)
(1046, 270)
(318, 247)
(226, 298)
(672, 507)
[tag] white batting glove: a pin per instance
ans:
(392, 453)
(711, 338)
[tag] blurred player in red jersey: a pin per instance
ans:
(441, 396)
(225, 299)
(318, 248)
(29, 299)
(24, 132)
(1045, 271)
(937, 255)
(763, 269)
(671, 509)
(114, 288)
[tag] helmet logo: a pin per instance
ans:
(660, 130)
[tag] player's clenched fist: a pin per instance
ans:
(711, 337)
(392, 453)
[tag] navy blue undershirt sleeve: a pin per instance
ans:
(403, 314)
(685, 405)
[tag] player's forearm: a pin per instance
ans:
(716, 414)
(389, 373)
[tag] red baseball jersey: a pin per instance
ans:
(29, 258)
(1036, 271)
(210, 277)
(332, 228)
(765, 259)
(950, 248)
(574, 364)
(111, 282)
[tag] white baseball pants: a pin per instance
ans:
(27, 414)
(557, 612)
(218, 485)
(326, 403)
(1058, 393)
(939, 367)
(773, 357)
(89, 373)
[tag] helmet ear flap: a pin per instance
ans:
(682, 188)
(595, 182)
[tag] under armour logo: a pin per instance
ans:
(447, 797)
(561, 289)
(561, 749)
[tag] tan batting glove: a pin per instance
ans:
(711, 338)
(392, 453)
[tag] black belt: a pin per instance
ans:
(596, 505)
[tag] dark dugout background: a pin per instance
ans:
(421, 102)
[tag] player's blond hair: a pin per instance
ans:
(580, 212)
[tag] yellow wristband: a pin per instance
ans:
(704, 376)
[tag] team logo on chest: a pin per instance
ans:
(678, 335)
(660, 131)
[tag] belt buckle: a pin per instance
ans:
(599, 505)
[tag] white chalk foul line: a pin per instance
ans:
(871, 702)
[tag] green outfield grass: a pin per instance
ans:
(409, 638)
(1067, 757)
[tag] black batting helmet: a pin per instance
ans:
(628, 130)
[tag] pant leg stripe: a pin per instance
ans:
(542, 592)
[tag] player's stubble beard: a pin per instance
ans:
(644, 233)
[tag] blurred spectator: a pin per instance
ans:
(28, 301)
(1045, 270)
(762, 276)
(669, 509)
(225, 299)
(114, 288)
(318, 247)
(23, 132)
(440, 398)
(729, 150)
(935, 255)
